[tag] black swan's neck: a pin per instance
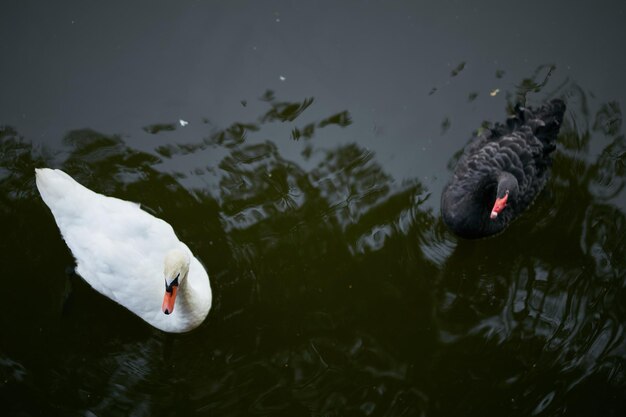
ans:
(507, 184)
(468, 210)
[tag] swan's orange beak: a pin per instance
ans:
(499, 205)
(169, 299)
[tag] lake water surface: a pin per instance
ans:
(300, 150)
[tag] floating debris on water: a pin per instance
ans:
(458, 69)
(159, 127)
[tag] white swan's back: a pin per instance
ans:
(120, 250)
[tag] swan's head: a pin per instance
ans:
(175, 271)
(505, 194)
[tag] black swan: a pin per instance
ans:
(501, 172)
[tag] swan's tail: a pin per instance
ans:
(54, 185)
(549, 118)
(544, 121)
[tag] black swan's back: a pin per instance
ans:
(518, 151)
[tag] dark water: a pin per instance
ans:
(307, 181)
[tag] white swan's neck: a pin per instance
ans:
(194, 295)
(194, 303)
(191, 309)
(193, 299)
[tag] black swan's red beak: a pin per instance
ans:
(498, 206)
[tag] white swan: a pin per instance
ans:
(124, 253)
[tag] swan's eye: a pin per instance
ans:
(169, 288)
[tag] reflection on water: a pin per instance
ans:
(337, 293)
